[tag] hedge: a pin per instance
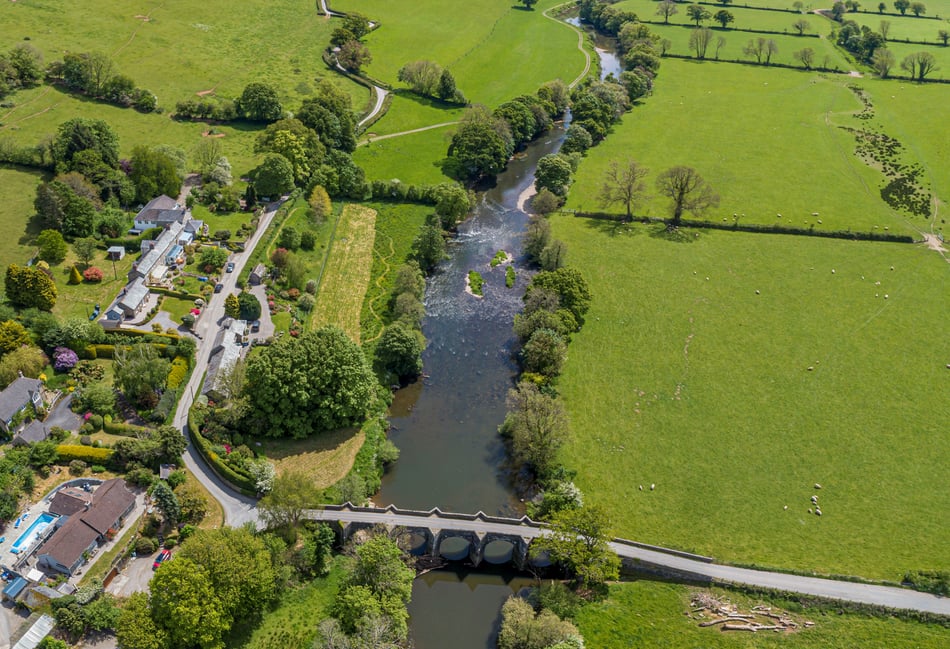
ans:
(137, 333)
(93, 352)
(177, 373)
(90, 454)
(126, 430)
(244, 484)
(184, 295)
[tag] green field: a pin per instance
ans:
(411, 158)
(652, 614)
(409, 111)
(17, 190)
(744, 18)
(902, 27)
(745, 368)
(474, 40)
(768, 142)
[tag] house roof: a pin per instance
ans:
(69, 501)
(68, 543)
(109, 502)
(155, 209)
(137, 291)
(36, 431)
(116, 249)
(15, 587)
(150, 259)
(225, 352)
(260, 270)
(194, 225)
(40, 629)
(17, 395)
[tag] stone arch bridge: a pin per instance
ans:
(495, 539)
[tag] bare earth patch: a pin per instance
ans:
(347, 274)
(205, 93)
(325, 458)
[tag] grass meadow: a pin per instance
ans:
(917, 29)
(745, 368)
(474, 40)
(413, 158)
(346, 274)
(768, 142)
(652, 614)
(17, 190)
(409, 111)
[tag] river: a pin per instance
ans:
(446, 425)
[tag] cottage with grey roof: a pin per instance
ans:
(20, 396)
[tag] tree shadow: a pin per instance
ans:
(673, 234)
(615, 228)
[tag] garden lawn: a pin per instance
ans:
(292, 622)
(767, 141)
(17, 191)
(343, 282)
(495, 50)
(413, 158)
(78, 300)
(325, 458)
(176, 308)
(651, 614)
(735, 371)
(396, 227)
(222, 220)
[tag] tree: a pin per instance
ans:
(623, 184)
(761, 48)
(577, 140)
(291, 494)
(687, 191)
(568, 285)
(554, 174)
(274, 176)
(97, 398)
(902, 6)
(317, 382)
(544, 353)
(699, 40)
(698, 13)
(521, 628)
(578, 541)
(260, 103)
(724, 17)
(232, 308)
(13, 335)
(919, 65)
(943, 36)
(447, 90)
(537, 427)
(801, 26)
(51, 246)
(289, 238)
(536, 238)
(806, 56)
(135, 628)
(61, 208)
(720, 43)
(838, 10)
(295, 141)
(883, 62)
(27, 286)
(207, 153)
(82, 134)
(400, 350)
(250, 306)
(545, 202)
(320, 203)
(918, 8)
(212, 258)
(140, 373)
(330, 115)
(184, 602)
(353, 55)
(85, 249)
(481, 145)
(167, 501)
(428, 248)
(422, 76)
(239, 569)
(881, 7)
(666, 8)
(29, 361)
(382, 567)
(154, 174)
(885, 28)
(452, 202)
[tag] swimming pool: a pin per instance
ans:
(33, 532)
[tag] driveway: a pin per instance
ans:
(62, 416)
(134, 577)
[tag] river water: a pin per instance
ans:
(446, 425)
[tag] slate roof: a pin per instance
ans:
(68, 543)
(109, 502)
(17, 395)
(160, 209)
(225, 352)
(136, 292)
(35, 431)
(69, 501)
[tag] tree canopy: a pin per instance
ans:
(314, 383)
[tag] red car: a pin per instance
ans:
(164, 555)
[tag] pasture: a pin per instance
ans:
(475, 40)
(17, 190)
(745, 368)
(651, 614)
(346, 274)
(768, 142)
(412, 158)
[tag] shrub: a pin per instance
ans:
(92, 274)
(306, 302)
(77, 467)
(145, 545)
(95, 421)
(85, 440)
(176, 375)
(98, 468)
(64, 359)
(70, 452)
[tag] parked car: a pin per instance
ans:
(255, 326)
(230, 267)
(163, 556)
(218, 287)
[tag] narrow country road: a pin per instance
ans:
(380, 99)
(377, 138)
(580, 44)
(238, 509)
(891, 597)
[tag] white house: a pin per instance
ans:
(159, 213)
(229, 344)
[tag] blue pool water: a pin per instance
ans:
(33, 532)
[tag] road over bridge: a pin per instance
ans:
(481, 530)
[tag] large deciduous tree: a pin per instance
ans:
(481, 145)
(568, 285)
(315, 383)
(666, 8)
(537, 426)
(763, 49)
(623, 183)
(578, 540)
(51, 246)
(400, 350)
(28, 286)
(698, 14)
(154, 174)
(274, 176)
(260, 103)
(82, 134)
(140, 373)
(687, 191)
(185, 606)
(291, 494)
(919, 65)
(554, 174)
(883, 62)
